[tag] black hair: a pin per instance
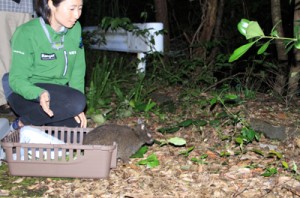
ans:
(43, 10)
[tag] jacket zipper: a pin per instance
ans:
(66, 63)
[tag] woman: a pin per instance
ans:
(48, 67)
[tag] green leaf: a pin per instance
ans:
(242, 26)
(239, 140)
(240, 51)
(204, 156)
(231, 96)
(140, 153)
(297, 44)
(295, 167)
(285, 164)
(200, 160)
(266, 174)
(119, 93)
(200, 122)
(221, 115)
(185, 123)
(169, 130)
(277, 154)
(140, 106)
(269, 172)
(162, 142)
(144, 107)
(195, 159)
(213, 101)
(263, 48)
(132, 103)
(149, 106)
(259, 152)
(142, 162)
(224, 154)
(153, 164)
(289, 45)
(186, 152)
(274, 33)
(115, 23)
(250, 135)
(177, 141)
(257, 136)
(214, 123)
(150, 162)
(253, 30)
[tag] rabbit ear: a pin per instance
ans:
(143, 127)
(140, 128)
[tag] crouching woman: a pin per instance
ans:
(48, 68)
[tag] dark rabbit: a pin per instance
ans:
(129, 140)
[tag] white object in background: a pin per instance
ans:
(30, 134)
(124, 41)
(142, 64)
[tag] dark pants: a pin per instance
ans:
(65, 102)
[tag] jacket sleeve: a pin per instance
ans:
(78, 73)
(22, 65)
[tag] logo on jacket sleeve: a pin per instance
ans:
(45, 56)
(81, 43)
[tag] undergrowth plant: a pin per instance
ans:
(116, 90)
(101, 84)
(247, 134)
(135, 98)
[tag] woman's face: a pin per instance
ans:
(66, 14)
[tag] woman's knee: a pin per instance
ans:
(79, 102)
(75, 101)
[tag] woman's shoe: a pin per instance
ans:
(15, 125)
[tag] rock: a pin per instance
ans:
(273, 132)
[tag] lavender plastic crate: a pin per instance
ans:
(59, 160)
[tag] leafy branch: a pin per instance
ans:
(253, 33)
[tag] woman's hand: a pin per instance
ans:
(45, 103)
(80, 118)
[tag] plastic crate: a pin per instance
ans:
(59, 160)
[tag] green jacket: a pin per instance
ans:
(35, 61)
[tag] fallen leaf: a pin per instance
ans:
(33, 186)
(211, 155)
(282, 116)
(19, 180)
(4, 192)
(257, 170)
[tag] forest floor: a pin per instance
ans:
(222, 167)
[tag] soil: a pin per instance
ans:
(223, 168)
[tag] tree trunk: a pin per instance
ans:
(281, 53)
(216, 35)
(295, 68)
(205, 30)
(204, 33)
(161, 15)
